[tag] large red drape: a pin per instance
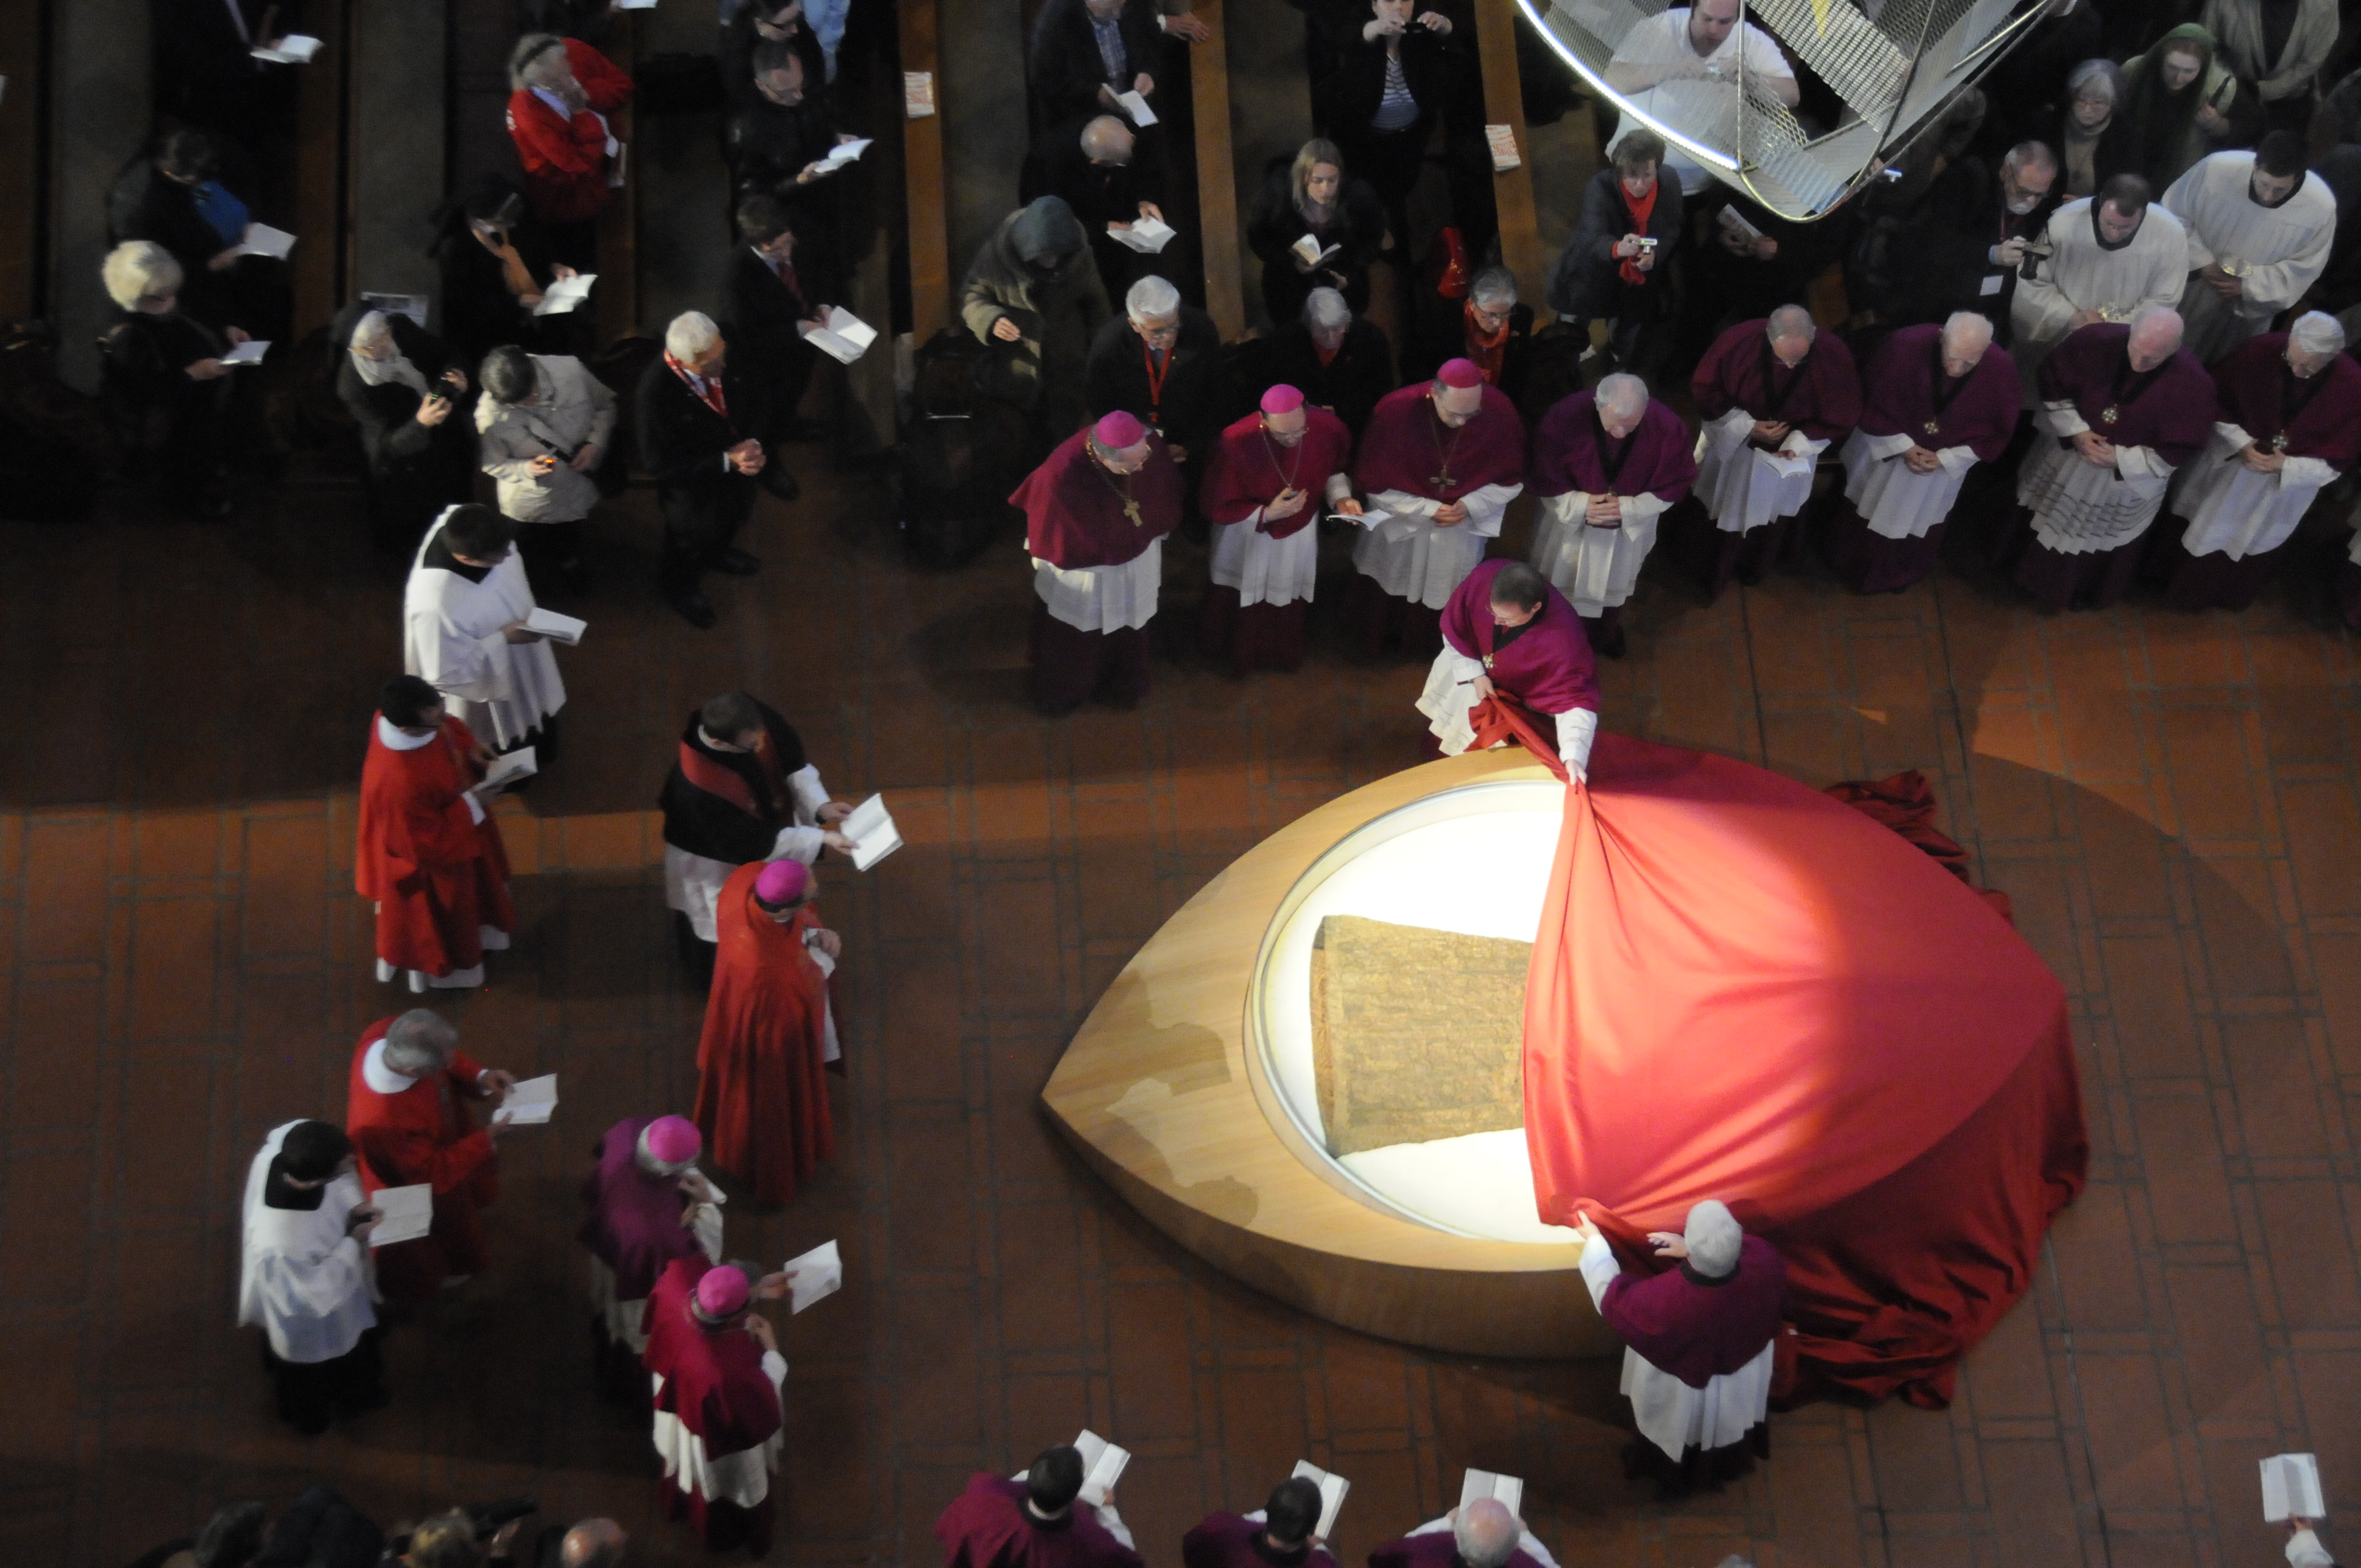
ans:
(1744, 990)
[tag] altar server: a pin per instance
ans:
(1277, 1535)
(1269, 479)
(304, 1275)
(426, 852)
(770, 1032)
(1606, 464)
(1698, 1343)
(464, 633)
(2110, 257)
(1773, 394)
(2260, 227)
(717, 1378)
(648, 1204)
(1941, 400)
(2122, 408)
(1035, 1521)
(1484, 1534)
(405, 1108)
(1507, 629)
(1095, 518)
(2289, 422)
(1442, 460)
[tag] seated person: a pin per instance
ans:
(1615, 267)
(1489, 327)
(175, 197)
(495, 266)
(1340, 361)
(1084, 54)
(163, 382)
(1311, 197)
(1097, 173)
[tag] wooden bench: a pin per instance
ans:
(1504, 104)
(928, 244)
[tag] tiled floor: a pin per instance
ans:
(2171, 802)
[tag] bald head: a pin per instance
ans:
(1485, 1533)
(1108, 141)
(2156, 336)
(1965, 337)
(593, 1543)
(1791, 329)
(1622, 404)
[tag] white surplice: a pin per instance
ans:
(1595, 568)
(2079, 507)
(310, 1286)
(1893, 501)
(693, 884)
(2235, 511)
(1102, 599)
(743, 1478)
(2281, 251)
(2081, 274)
(452, 638)
(1272, 571)
(1742, 486)
(1668, 1412)
(1413, 557)
(1450, 695)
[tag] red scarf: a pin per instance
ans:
(711, 395)
(1640, 208)
(1487, 352)
(1155, 379)
(716, 778)
(1327, 355)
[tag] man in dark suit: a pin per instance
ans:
(696, 425)
(1084, 54)
(776, 140)
(205, 75)
(1092, 169)
(776, 288)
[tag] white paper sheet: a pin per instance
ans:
(2291, 1489)
(409, 1213)
(845, 338)
(1482, 1484)
(917, 94)
(1136, 107)
(530, 1103)
(565, 294)
(870, 828)
(295, 48)
(250, 352)
(1332, 1489)
(845, 152)
(1102, 1464)
(1146, 235)
(818, 1272)
(566, 629)
(509, 766)
(1309, 249)
(261, 239)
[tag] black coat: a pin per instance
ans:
(1587, 282)
(736, 54)
(145, 203)
(763, 313)
(478, 312)
(205, 74)
(1345, 98)
(1349, 385)
(1063, 66)
(1935, 259)
(397, 447)
(1117, 378)
(149, 397)
(1359, 227)
(681, 445)
(768, 144)
(710, 826)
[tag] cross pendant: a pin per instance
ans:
(1440, 481)
(1933, 428)
(1131, 511)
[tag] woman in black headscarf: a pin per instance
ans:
(2183, 103)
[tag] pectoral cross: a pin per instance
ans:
(1488, 660)
(1933, 427)
(1131, 511)
(2109, 414)
(2278, 442)
(1440, 481)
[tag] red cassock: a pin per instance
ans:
(438, 875)
(987, 1526)
(716, 1409)
(1227, 1540)
(1548, 667)
(564, 156)
(1246, 472)
(423, 1135)
(1074, 515)
(762, 1093)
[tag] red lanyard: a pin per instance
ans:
(1155, 382)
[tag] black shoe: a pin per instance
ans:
(694, 607)
(736, 563)
(780, 482)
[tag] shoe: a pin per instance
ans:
(694, 607)
(736, 563)
(780, 482)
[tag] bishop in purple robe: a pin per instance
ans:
(1279, 1535)
(647, 1205)
(1507, 630)
(1606, 464)
(1038, 1520)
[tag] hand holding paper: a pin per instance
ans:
(295, 48)
(845, 338)
(1136, 107)
(870, 828)
(261, 239)
(817, 1274)
(1482, 1484)
(566, 629)
(529, 1103)
(1332, 1489)
(1146, 235)
(407, 1213)
(250, 352)
(1102, 1464)
(565, 294)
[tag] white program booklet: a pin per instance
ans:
(635, 5)
(409, 1213)
(511, 766)
(1332, 1489)
(1102, 1464)
(845, 152)
(1146, 235)
(565, 294)
(1734, 220)
(1503, 142)
(917, 94)
(870, 828)
(2291, 1489)
(818, 1273)
(566, 629)
(530, 1103)
(845, 338)
(261, 239)
(250, 352)
(1136, 107)
(412, 306)
(1482, 1484)
(295, 48)
(1309, 249)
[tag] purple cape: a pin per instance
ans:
(1699, 1329)
(1662, 461)
(987, 1526)
(1226, 1541)
(1981, 416)
(2250, 380)
(1730, 377)
(1549, 668)
(2171, 415)
(635, 1222)
(1073, 509)
(1404, 446)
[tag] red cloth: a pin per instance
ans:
(1698, 1329)
(1981, 415)
(2251, 379)
(1744, 990)
(1405, 443)
(1247, 470)
(1731, 376)
(633, 1225)
(987, 1526)
(436, 875)
(1435, 1549)
(1640, 208)
(1549, 667)
(1487, 350)
(565, 160)
(761, 1097)
(423, 1135)
(714, 1381)
(1906, 803)
(1226, 1541)
(1661, 460)
(2172, 412)
(1073, 506)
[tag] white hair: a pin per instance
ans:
(2157, 318)
(2030, 155)
(1326, 307)
(690, 334)
(1967, 323)
(1485, 1533)
(140, 269)
(1496, 284)
(536, 60)
(1624, 392)
(372, 327)
(1713, 1238)
(2317, 331)
(1152, 300)
(419, 1042)
(1792, 321)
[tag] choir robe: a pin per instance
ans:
(719, 1399)
(453, 619)
(1739, 521)
(1411, 466)
(722, 810)
(1697, 1352)
(1432, 1545)
(988, 1525)
(2284, 250)
(1883, 535)
(311, 1286)
(2074, 539)
(430, 858)
(1234, 1541)
(1575, 459)
(2083, 273)
(762, 1096)
(2239, 519)
(1096, 571)
(1544, 664)
(1264, 572)
(413, 1132)
(634, 1230)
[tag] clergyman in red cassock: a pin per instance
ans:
(1035, 1521)
(406, 1112)
(1605, 466)
(1507, 632)
(762, 1085)
(1095, 516)
(1278, 1535)
(1269, 480)
(647, 1205)
(428, 853)
(717, 1381)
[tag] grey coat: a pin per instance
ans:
(571, 408)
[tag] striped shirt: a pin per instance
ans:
(1397, 110)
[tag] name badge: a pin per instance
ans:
(1992, 283)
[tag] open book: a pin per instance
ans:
(1482, 1484)
(818, 1273)
(845, 338)
(1735, 221)
(1332, 1489)
(1102, 1464)
(1146, 235)
(408, 1212)
(529, 1104)
(1136, 107)
(566, 629)
(565, 294)
(261, 239)
(511, 766)
(870, 828)
(1309, 249)
(295, 48)
(2291, 1489)
(250, 352)
(844, 152)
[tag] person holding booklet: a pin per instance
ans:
(1482, 1532)
(546, 432)
(304, 1275)
(1313, 228)
(465, 631)
(717, 1379)
(1032, 1521)
(1284, 1533)
(648, 1204)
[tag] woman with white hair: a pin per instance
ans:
(2289, 422)
(1490, 327)
(562, 91)
(163, 381)
(399, 385)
